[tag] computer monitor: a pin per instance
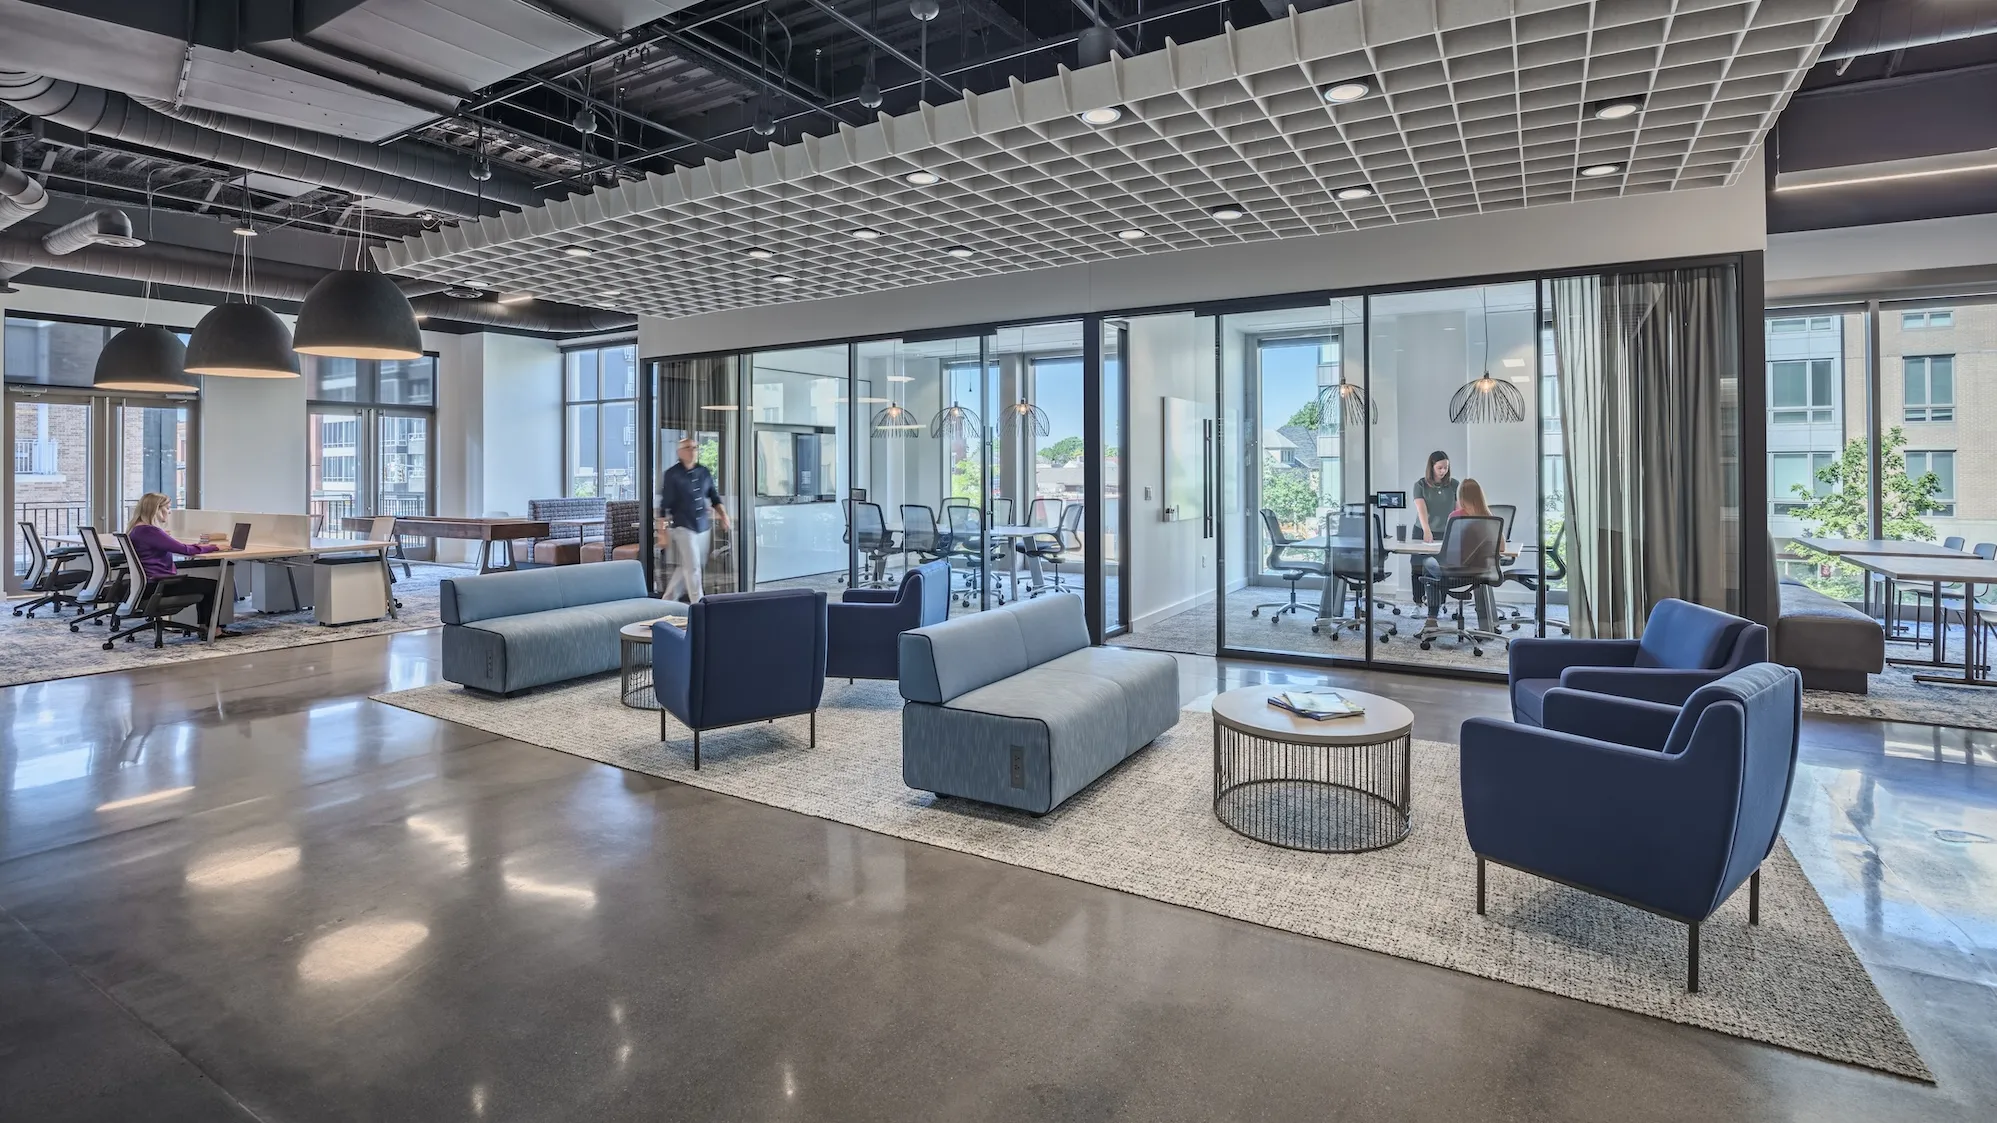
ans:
(240, 536)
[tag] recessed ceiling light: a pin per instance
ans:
(1132, 235)
(866, 233)
(1347, 91)
(577, 251)
(1107, 115)
(1358, 191)
(516, 298)
(922, 179)
(1227, 212)
(1596, 171)
(784, 279)
(958, 251)
(1615, 109)
(761, 254)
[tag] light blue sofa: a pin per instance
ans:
(1013, 707)
(507, 632)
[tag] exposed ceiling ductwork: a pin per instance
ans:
(106, 113)
(182, 267)
(1876, 26)
(406, 159)
(98, 228)
(21, 197)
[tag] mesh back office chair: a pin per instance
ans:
(1923, 594)
(1290, 569)
(1002, 512)
(1509, 512)
(1044, 512)
(1524, 571)
(919, 535)
(1350, 574)
(104, 589)
(1468, 561)
(867, 529)
(1053, 549)
(967, 548)
(50, 573)
(153, 610)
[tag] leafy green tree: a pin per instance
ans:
(1310, 416)
(1062, 451)
(1839, 507)
(1293, 494)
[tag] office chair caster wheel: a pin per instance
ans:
(73, 627)
(109, 646)
(1477, 651)
(1424, 645)
(1385, 638)
(1251, 612)
(1397, 612)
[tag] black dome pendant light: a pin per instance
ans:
(358, 314)
(242, 340)
(146, 357)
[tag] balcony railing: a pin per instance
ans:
(36, 456)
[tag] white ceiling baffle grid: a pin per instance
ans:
(1474, 106)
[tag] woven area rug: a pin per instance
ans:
(1148, 828)
(43, 648)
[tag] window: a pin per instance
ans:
(1942, 464)
(1802, 323)
(599, 432)
(1788, 471)
(1802, 391)
(1921, 321)
(1930, 387)
(368, 445)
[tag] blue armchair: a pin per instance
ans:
(1684, 647)
(1662, 808)
(743, 657)
(864, 629)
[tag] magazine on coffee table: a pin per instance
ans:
(1318, 705)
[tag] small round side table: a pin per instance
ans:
(634, 646)
(1338, 786)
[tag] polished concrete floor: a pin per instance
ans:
(236, 889)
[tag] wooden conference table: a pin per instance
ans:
(486, 532)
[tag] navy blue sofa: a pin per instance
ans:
(742, 657)
(1665, 808)
(506, 632)
(1684, 647)
(863, 631)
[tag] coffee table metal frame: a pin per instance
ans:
(1342, 786)
(634, 677)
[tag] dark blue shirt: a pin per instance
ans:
(686, 495)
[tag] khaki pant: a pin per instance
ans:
(686, 550)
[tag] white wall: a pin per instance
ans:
(1171, 563)
(1646, 227)
(1894, 247)
(520, 380)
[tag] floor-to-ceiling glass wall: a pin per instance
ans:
(799, 441)
(1110, 510)
(699, 400)
(1037, 515)
(925, 443)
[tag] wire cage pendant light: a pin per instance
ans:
(955, 422)
(1345, 401)
(1489, 399)
(897, 421)
(1022, 413)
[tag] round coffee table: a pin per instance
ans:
(634, 648)
(1337, 786)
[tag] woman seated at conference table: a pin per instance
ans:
(156, 550)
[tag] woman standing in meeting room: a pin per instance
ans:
(156, 549)
(1435, 498)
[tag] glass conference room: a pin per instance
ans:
(1274, 478)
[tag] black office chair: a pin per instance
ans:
(1290, 569)
(867, 528)
(1054, 548)
(968, 549)
(1509, 512)
(919, 535)
(104, 589)
(1955, 598)
(1468, 561)
(52, 573)
(153, 610)
(1524, 572)
(1351, 576)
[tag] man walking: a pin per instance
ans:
(686, 497)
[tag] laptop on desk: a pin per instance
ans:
(239, 537)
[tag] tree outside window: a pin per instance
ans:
(1837, 508)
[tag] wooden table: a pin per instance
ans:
(1966, 570)
(487, 532)
(226, 559)
(1337, 786)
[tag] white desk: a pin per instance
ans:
(226, 559)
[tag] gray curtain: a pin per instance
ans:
(1649, 367)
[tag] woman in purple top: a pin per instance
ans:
(156, 549)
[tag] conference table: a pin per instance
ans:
(487, 532)
(1407, 547)
(1966, 570)
(1859, 552)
